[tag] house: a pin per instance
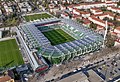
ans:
(106, 14)
(110, 15)
(76, 11)
(86, 22)
(99, 21)
(84, 14)
(55, 10)
(96, 11)
(101, 16)
(65, 15)
(62, 7)
(70, 7)
(75, 16)
(114, 9)
(118, 18)
(117, 30)
(111, 4)
(99, 27)
(91, 5)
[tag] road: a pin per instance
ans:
(59, 70)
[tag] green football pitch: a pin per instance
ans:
(36, 16)
(58, 36)
(9, 54)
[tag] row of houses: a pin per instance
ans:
(94, 14)
(114, 9)
(91, 5)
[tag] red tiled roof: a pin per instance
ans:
(65, 14)
(76, 9)
(5, 78)
(98, 10)
(99, 26)
(83, 12)
(118, 28)
(86, 21)
(71, 6)
(100, 15)
(95, 9)
(94, 18)
(75, 16)
(111, 24)
(118, 17)
(111, 3)
(99, 20)
(110, 14)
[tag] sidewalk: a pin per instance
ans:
(7, 38)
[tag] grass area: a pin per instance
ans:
(58, 36)
(9, 54)
(36, 16)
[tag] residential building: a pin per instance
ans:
(96, 11)
(118, 18)
(65, 15)
(99, 21)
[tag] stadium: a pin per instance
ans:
(58, 40)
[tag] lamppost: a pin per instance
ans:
(106, 30)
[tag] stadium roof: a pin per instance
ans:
(85, 37)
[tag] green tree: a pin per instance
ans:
(79, 20)
(118, 4)
(93, 26)
(110, 40)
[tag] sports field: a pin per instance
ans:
(9, 54)
(58, 36)
(36, 16)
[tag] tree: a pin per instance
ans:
(110, 40)
(118, 4)
(79, 20)
(106, 18)
(93, 26)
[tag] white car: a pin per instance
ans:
(79, 68)
(74, 70)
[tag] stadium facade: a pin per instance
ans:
(86, 41)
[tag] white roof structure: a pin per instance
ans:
(85, 41)
(0, 34)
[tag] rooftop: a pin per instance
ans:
(78, 77)
(93, 77)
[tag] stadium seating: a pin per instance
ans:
(85, 41)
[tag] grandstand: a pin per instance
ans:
(78, 40)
